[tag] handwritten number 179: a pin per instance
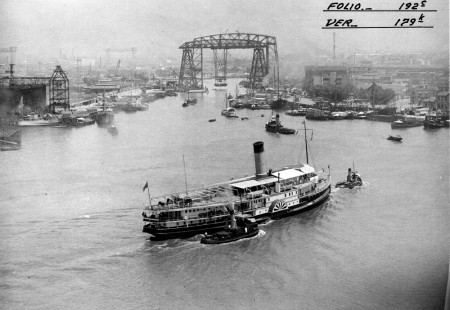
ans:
(406, 21)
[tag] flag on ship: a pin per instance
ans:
(145, 186)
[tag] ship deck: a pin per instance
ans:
(222, 193)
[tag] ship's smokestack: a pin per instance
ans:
(258, 149)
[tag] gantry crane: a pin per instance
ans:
(12, 50)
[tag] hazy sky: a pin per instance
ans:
(88, 27)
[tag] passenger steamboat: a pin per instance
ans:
(269, 194)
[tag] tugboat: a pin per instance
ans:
(397, 138)
(274, 125)
(268, 194)
(242, 226)
(435, 121)
(112, 129)
(104, 116)
(228, 111)
(353, 179)
(188, 100)
(220, 82)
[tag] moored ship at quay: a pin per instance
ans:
(264, 196)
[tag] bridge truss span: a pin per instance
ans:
(264, 63)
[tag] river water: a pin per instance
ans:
(71, 203)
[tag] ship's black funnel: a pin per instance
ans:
(258, 149)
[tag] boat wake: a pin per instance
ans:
(175, 244)
(270, 221)
(85, 217)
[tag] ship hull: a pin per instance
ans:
(306, 203)
(104, 118)
(160, 233)
(213, 240)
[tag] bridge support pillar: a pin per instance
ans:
(191, 69)
(259, 68)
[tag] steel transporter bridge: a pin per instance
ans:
(264, 63)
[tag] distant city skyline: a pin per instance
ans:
(86, 28)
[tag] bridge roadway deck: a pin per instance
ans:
(24, 82)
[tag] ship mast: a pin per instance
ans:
(185, 179)
(306, 143)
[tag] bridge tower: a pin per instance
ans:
(59, 89)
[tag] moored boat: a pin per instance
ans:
(112, 129)
(134, 106)
(220, 83)
(10, 138)
(405, 124)
(317, 114)
(266, 195)
(228, 111)
(299, 112)
(435, 121)
(82, 121)
(360, 115)
(104, 116)
(188, 100)
(36, 120)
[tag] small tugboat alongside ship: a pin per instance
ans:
(241, 227)
(269, 194)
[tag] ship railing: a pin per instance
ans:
(193, 198)
(212, 219)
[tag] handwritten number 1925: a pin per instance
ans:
(412, 5)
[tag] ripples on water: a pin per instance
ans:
(71, 201)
